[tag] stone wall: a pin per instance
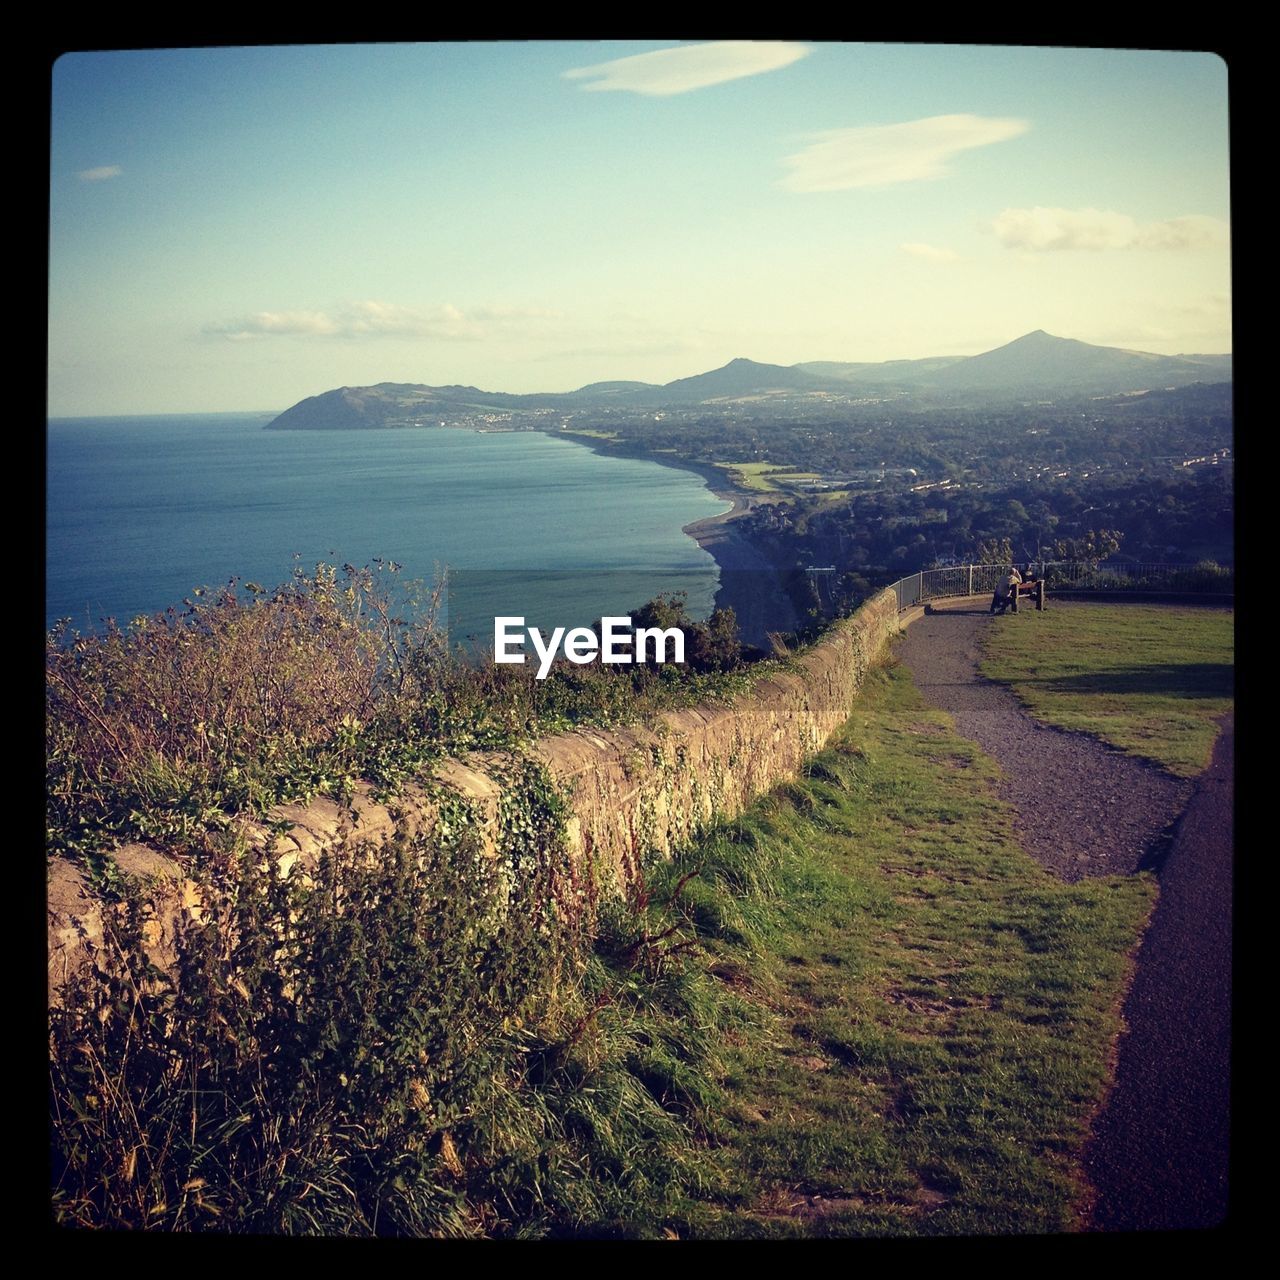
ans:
(630, 791)
(636, 790)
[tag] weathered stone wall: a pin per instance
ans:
(637, 790)
(630, 791)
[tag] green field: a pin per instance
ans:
(1152, 680)
(764, 477)
(592, 433)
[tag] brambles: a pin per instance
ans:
(316, 1044)
(245, 698)
(417, 1039)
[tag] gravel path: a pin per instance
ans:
(1084, 809)
(1158, 1158)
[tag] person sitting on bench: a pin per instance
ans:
(1004, 591)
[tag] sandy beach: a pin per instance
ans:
(749, 582)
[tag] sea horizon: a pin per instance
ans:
(135, 520)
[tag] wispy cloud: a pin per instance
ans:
(1043, 230)
(378, 320)
(291, 323)
(692, 66)
(881, 155)
(930, 253)
(100, 174)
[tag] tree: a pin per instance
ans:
(1097, 544)
(995, 551)
(715, 644)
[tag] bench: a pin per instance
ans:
(1033, 590)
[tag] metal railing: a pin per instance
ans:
(1205, 578)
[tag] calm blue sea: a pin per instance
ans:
(142, 510)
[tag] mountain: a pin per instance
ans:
(404, 403)
(883, 373)
(615, 389)
(1035, 365)
(1039, 363)
(344, 408)
(741, 378)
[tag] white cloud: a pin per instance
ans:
(378, 320)
(1044, 230)
(1216, 306)
(100, 174)
(290, 323)
(388, 320)
(930, 253)
(880, 155)
(691, 66)
(512, 315)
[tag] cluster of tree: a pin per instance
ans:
(1148, 477)
(1118, 432)
(1183, 516)
(710, 646)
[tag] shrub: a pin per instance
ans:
(423, 1038)
(245, 698)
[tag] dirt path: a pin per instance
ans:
(1083, 808)
(1158, 1159)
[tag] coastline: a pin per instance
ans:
(749, 581)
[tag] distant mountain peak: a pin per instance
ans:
(1038, 364)
(1037, 338)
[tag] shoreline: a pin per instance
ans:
(749, 581)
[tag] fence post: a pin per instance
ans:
(920, 589)
(970, 591)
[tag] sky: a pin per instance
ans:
(237, 229)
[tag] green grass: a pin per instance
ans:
(928, 1013)
(765, 477)
(1148, 679)
(831, 497)
(592, 433)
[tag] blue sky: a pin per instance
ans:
(240, 228)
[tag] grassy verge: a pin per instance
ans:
(1150, 680)
(934, 1012)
